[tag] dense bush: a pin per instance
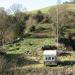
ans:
(39, 16)
(49, 47)
(32, 28)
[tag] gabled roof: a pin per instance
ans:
(50, 52)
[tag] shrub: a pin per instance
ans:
(32, 29)
(39, 16)
(27, 35)
(49, 47)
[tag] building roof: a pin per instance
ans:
(50, 52)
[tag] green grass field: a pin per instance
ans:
(28, 44)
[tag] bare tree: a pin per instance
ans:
(16, 8)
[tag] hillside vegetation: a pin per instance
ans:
(23, 35)
(37, 25)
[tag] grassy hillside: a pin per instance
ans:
(70, 7)
(27, 52)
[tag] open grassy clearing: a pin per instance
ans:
(28, 44)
